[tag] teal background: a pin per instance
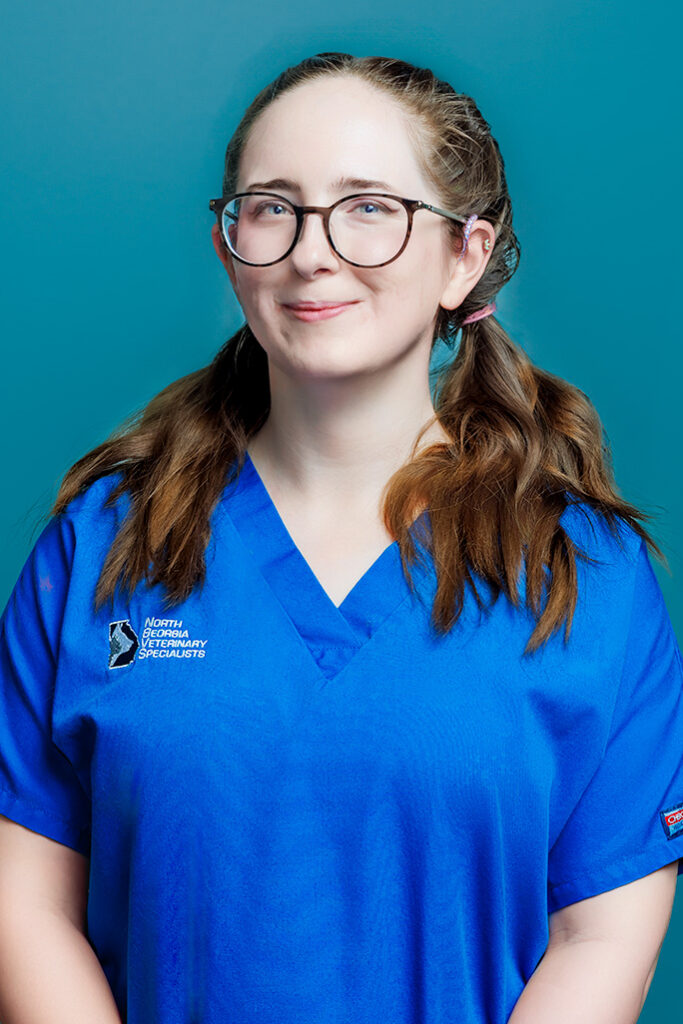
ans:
(115, 127)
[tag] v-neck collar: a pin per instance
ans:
(333, 634)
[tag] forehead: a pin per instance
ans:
(329, 128)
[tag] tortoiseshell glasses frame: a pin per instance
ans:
(411, 206)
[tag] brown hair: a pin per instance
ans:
(524, 442)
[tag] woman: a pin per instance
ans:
(327, 752)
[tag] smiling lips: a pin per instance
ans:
(316, 305)
(317, 310)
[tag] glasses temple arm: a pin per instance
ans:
(446, 213)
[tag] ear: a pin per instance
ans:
(465, 269)
(224, 255)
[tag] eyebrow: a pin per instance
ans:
(338, 185)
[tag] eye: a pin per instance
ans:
(367, 208)
(369, 202)
(271, 205)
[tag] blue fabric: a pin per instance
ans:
(297, 812)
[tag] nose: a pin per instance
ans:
(312, 242)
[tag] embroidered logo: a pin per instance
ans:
(672, 820)
(161, 638)
(123, 643)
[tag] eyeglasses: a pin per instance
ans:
(262, 228)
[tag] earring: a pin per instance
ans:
(487, 244)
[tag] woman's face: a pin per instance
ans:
(312, 135)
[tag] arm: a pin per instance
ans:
(601, 956)
(48, 969)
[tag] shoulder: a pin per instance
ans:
(99, 500)
(85, 527)
(619, 597)
(70, 544)
(608, 557)
(610, 541)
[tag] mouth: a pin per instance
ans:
(311, 311)
(318, 305)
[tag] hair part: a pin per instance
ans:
(524, 443)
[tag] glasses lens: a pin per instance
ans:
(259, 228)
(367, 230)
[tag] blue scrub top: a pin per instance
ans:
(298, 813)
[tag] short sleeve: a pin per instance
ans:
(38, 785)
(628, 821)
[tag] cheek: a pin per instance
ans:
(413, 297)
(257, 300)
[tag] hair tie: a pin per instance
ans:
(480, 313)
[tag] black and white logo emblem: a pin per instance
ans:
(123, 643)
